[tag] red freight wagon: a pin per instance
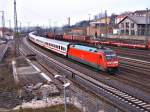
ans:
(76, 38)
(80, 38)
(99, 58)
(50, 35)
(67, 37)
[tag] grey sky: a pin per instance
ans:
(40, 12)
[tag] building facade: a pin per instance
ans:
(99, 27)
(79, 31)
(134, 25)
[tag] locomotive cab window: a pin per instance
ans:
(110, 55)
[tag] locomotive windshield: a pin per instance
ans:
(110, 55)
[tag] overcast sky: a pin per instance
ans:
(55, 12)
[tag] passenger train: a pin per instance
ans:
(100, 58)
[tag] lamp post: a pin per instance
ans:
(60, 76)
(57, 76)
(66, 85)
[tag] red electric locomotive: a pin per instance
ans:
(100, 58)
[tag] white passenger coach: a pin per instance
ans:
(54, 45)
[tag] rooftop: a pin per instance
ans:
(137, 19)
(90, 48)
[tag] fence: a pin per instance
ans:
(88, 103)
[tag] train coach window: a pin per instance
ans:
(46, 43)
(62, 48)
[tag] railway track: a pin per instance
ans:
(3, 50)
(137, 69)
(122, 77)
(135, 61)
(133, 53)
(103, 88)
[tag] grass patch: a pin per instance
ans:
(57, 108)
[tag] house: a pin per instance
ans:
(134, 25)
(79, 30)
(119, 18)
(140, 12)
(99, 27)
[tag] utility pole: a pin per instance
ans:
(146, 28)
(3, 23)
(20, 27)
(68, 24)
(89, 24)
(16, 36)
(106, 24)
(28, 27)
(68, 21)
(49, 25)
(9, 21)
(55, 27)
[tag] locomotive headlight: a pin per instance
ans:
(115, 62)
